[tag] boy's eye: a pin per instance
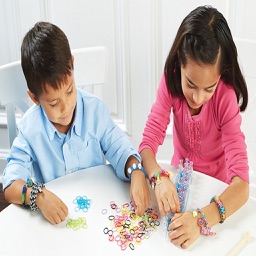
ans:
(53, 104)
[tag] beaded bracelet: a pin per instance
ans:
(36, 188)
(136, 167)
(221, 208)
(23, 196)
(203, 223)
(155, 179)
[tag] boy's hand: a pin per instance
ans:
(166, 196)
(51, 206)
(139, 192)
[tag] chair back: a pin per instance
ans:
(13, 94)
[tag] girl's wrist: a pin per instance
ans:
(156, 177)
(202, 222)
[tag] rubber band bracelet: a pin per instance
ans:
(155, 179)
(203, 223)
(36, 188)
(135, 167)
(221, 208)
(23, 196)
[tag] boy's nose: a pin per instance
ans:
(65, 106)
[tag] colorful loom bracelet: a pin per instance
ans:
(203, 223)
(155, 179)
(135, 167)
(221, 208)
(36, 188)
(23, 196)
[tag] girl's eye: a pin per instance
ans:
(190, 86)
(209, 90)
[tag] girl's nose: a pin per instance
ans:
(198, 98)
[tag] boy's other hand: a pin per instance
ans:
(139, 193)
(51, 206)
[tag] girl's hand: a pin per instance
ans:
(139, 193)
(51, 206)
(183, 229)
(166, 196)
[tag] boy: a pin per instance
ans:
(65, 130)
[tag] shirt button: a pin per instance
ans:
(66, 146)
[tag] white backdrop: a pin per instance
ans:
(138, 35)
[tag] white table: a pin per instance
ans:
(24, 232)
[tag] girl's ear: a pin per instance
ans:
(33, 97)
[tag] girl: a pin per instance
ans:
(203, 86)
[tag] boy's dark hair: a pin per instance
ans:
(45, 57)
(202, 34)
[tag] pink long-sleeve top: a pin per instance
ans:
(212, 139)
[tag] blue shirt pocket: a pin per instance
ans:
(91, 154)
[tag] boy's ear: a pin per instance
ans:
(33, 97)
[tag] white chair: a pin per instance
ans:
(13, 93)
(90, 68)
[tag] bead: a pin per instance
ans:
(195, 214)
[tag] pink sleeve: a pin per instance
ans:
(158, 119)
(233, 138)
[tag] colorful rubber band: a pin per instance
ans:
(23, 196)
(221, 208)
(155, 179)
(203, 223)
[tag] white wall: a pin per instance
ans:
(138, 35)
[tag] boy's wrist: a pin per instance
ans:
(30, 195)
(130, 161)
(27, 200)
(136, 167)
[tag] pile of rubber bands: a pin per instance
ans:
(83, 203)
(126, 228)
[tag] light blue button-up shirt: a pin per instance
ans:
(41, 151)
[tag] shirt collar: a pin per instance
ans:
(77, 123)
(49, 127)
